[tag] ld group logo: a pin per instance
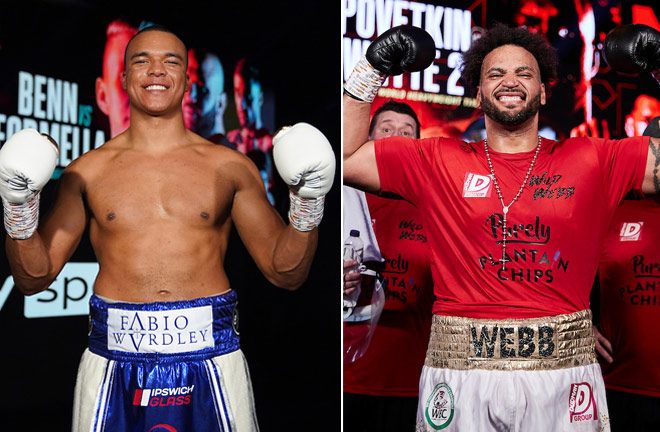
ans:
(477, 186)
(631, 231)
(439, 409)
(581, 403)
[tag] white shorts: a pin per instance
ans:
(512, 375)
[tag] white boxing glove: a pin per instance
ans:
(305, 161)
(27, 161)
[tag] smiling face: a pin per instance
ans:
(510, 91)
(155, 77)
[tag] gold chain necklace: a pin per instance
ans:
(505, 208)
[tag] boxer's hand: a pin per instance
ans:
(398, 50)
(351, 278)
(603, 346)
(633, 48)
(27, 161)
(305, 160)
(401, 49)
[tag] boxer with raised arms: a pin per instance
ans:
(514, 224)
(160, 201)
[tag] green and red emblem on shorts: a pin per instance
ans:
(439, 409)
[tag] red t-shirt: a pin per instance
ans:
(556, 225)
(630, 297)
(393, 363)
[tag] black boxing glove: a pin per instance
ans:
(400, 49)
(633, 48)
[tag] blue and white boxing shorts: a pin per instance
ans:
(164, 367)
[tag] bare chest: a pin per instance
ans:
(144, 192)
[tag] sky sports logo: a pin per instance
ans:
(68, 295)
(163, 396)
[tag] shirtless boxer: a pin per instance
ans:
(514, 226)
(160, 201)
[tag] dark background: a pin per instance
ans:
(291, 339)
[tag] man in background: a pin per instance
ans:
(628, 273)
(111, 98)
(384, 381)
(206, 101)
(644, 109)
(252, 139)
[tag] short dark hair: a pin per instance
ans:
(398, 107)
(499, 35)
(155, 27)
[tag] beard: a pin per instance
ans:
(510, 119)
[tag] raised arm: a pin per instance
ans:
(651, 183)
(284, 253)
(27, 162)
(635, 48)
(360, 170)
(400, 49)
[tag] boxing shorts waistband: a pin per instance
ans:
(176, 331)
(552, 342)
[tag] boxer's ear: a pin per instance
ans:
(543, 94)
